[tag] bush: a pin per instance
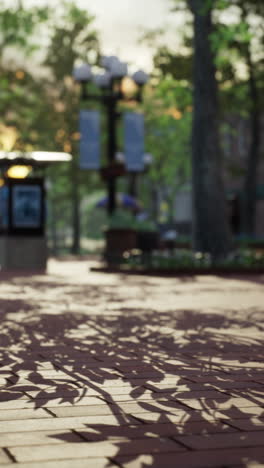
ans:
(121, 220)
(185, 259)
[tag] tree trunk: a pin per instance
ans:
(132, 184)
(75, 209)
(211, 232)
(154, 203)
(53, 227)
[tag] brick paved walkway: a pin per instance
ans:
(103, 370)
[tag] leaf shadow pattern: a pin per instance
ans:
(160, 388)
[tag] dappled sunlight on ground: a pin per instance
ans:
(134, 371)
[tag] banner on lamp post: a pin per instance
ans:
(134, 141)
(90, 140)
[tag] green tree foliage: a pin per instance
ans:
(17, 25)
(22, 95)
(168, 110)
(168, 124)
(169, 63)
(73, 38)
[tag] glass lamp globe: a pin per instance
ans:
(108, 61)
(82, 73)
(140, 77)
(118, 70)
(103, 80)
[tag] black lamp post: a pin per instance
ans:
(110, 84)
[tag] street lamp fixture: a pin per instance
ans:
(140, 77)
(110, 84)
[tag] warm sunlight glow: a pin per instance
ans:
(60, 135)
(67, 147)
(76, 136)
(20, 74)
(175, 113)
(2, 182)
(18, 172)
(8, 137)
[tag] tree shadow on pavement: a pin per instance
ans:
(162, 388)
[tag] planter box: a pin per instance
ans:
(147, 240)
(180, 271)
(117, 242)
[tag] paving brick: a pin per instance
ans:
(71, 463)
(93, 449)
(237, 385)
(235, 364)
(172, 386)
(236, 413)
(249, 465)
(16, 414)
(4, 459)
(140, 375)
(153, 406)
(219, 403)
(245, 374)
(253, 395)
(4, 374)
(38, 438)
(159, 380)
(26, 365)
(38, 383)
(81, 365)
(6, 395)
(61, 351)
(111, 383)
(13, 404)
(127, 363)
(123, 390)
(222, 378)
(4, 380)
(63, 423)
(208, 394)
(192, 373)
(99, 432)
(6, 366)
(209, 414)
(252, 424)
(122, 407)
(54, 393)
(45, 373)
(137, 366)
(90, 410)
(131, 396)
(61, 402)
(205, 459)
(178, 417)
(120, 358)
(217, 441)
